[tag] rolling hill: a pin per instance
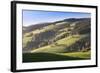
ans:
(63, 36)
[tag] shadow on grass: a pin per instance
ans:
(44, 57)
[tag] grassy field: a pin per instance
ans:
(85, 55)
(42, 57)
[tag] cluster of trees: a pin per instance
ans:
(81, 45)
(41, 39)
(61, 36)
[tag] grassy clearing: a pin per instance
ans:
(69, 40)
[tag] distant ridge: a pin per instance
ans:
(41, 25)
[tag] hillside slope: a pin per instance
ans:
(43, 35)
